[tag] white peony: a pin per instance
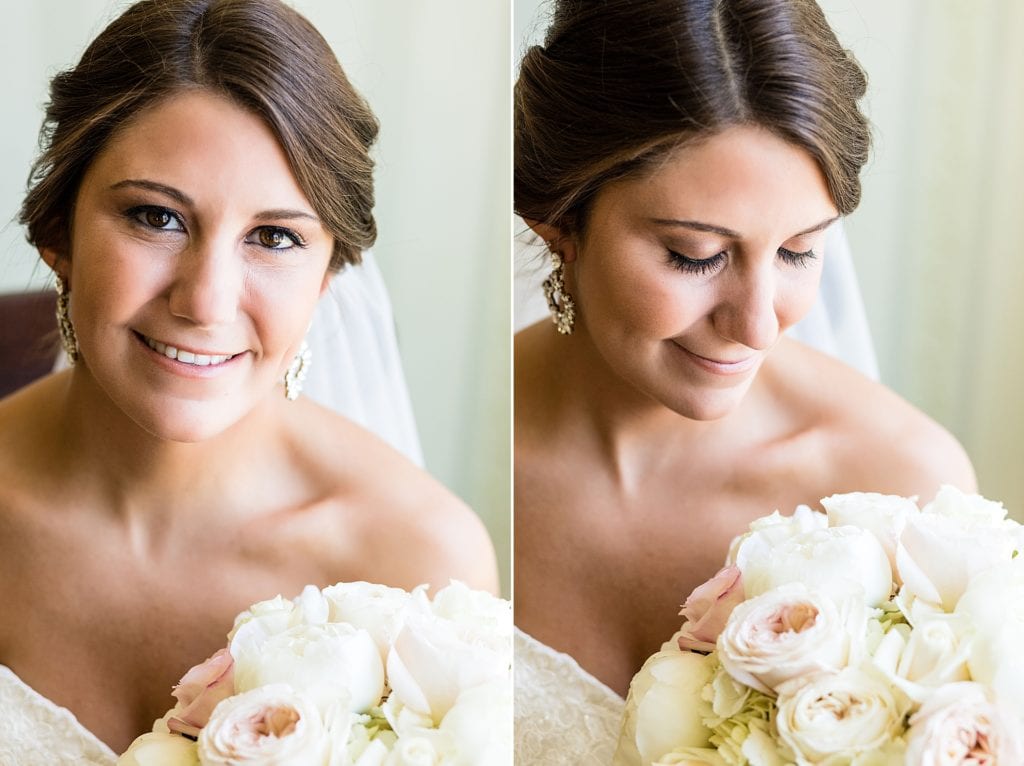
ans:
(884, 516)
(436, 657)
(960, 724)
(479, 726)
(479, 616)
(791, 632)
(662, 710)
(768, 531)
(378, 609)
(994, 605)
(324, 662)
(836, 561)
(952, 540)
(839, 717)
(160, 749)
(268, 726)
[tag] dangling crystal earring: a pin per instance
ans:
(560, 303)
(297, 371)
(67, 330)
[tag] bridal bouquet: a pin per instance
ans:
(877, 634)
(353, 675)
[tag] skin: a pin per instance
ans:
(145, 502)
(680, 453)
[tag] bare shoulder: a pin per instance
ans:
(400, 522)
(871, 438)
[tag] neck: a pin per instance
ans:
(629, 431)
(147, 482)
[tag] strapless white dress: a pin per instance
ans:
(563, 715)
(36, 732)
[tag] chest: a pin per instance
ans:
(106, 635)
(601, 573)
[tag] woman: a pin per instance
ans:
(682, 161)
(204, 172)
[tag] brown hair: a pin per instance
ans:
(263, 55)
(620, 83)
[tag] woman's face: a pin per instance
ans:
(195, 264)
(685, 278)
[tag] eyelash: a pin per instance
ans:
(704, 266)
(137, 215)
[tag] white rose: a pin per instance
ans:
(160, 749)
(884, 516)
(377, 609)
(267, 618)
(953, 539)
(479, 726)
(932, 653)
(791, 632)
(662, 710)
(960, 724)
(268, 726)
(691, 756)
(994, 605)
(836, 561)
(839, 715)
(356, 740)
(415, 751)
(434, 659)
(327, 663)
(768, 531)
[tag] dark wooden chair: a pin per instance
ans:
(28, 338)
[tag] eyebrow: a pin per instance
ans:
(275, 214)
(713, 229)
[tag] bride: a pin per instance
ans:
(683, 163)
(204, 173)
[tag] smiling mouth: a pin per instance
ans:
(720, 366)
(186, 357)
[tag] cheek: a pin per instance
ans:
(796, 297)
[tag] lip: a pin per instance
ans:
(722, 366)
(187, 369)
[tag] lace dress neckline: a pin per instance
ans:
(38, 732)
(564, 716)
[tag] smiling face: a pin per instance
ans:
(684, 278)
(195, 264)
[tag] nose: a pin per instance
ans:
(207, 284)
(746, 311)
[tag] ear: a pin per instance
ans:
(50, 257)
(556, 240)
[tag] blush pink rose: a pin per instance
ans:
(199, 691)
(708, 608)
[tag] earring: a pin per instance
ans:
(67, 330)
(297, 371)
(560, 303)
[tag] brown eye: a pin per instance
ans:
(275, 238)
(158, 218)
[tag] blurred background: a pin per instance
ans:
(937, 238)
(437, 75)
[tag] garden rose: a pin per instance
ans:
(160, 749)
(708, 608)
(933, 653)
(768, 531)
(839, 715)
(662, 710)
(791, 632)
(267, 726)
(960, 724)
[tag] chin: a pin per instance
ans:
(187, 424)
(707, 405)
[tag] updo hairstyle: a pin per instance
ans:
(262, 55)
(620, 84)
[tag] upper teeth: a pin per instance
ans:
(202, 360)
